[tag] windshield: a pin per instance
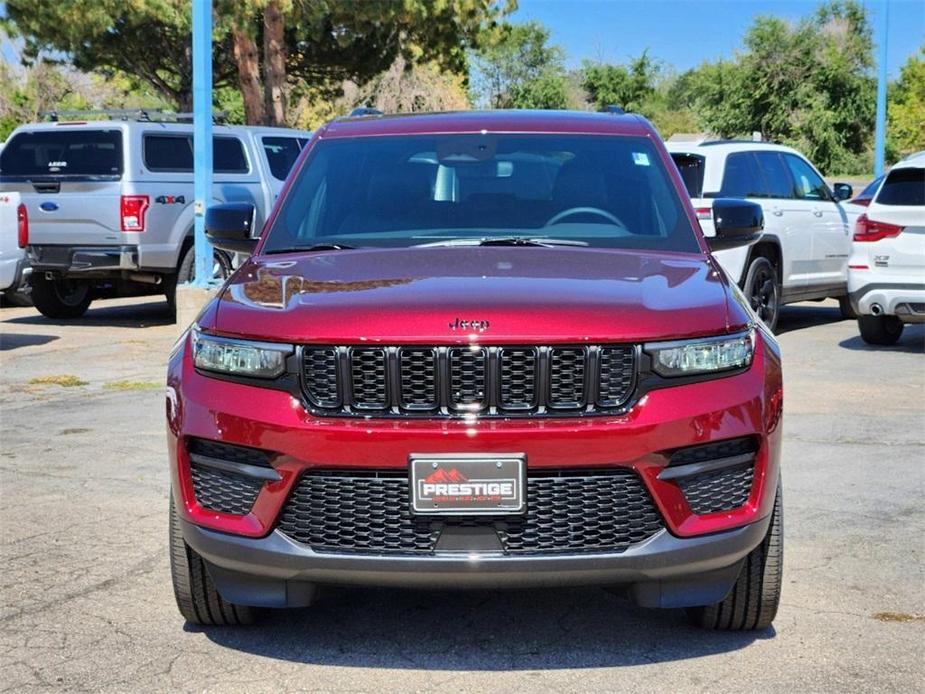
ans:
(600, 191)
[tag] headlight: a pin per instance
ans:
(238, 357)
(702, 355)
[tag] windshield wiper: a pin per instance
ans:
(314, 247)
(505, 241)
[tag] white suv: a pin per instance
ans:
(803, 254)
(886, 276)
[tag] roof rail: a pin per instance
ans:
(365, 111)
(145, 115)
(613, 108)
(707, 143)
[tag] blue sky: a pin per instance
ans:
(684, 33)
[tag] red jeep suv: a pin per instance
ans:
(479, 350)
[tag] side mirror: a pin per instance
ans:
(737, 223)
(229, 227)
(842, 191)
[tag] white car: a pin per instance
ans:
(886, 275)
(803, 254)
(14, 227)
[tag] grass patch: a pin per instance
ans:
(132, 385)
(64, 380)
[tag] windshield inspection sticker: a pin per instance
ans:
(640, 159)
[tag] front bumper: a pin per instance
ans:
(664, 571)
(81, 260)
(693, 561)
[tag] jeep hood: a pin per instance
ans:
(499, 295)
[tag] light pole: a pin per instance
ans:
(880, 137)
(202, 137)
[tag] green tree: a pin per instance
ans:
(520, 69)
(260, 46)
(906, 109)
(808, 85)
(628, 86)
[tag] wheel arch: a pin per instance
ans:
(768, 247)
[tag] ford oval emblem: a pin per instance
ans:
(49, 206)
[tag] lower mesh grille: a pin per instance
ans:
(222, 491)
(720, 490)
(566, 511)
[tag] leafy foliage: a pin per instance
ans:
(808, 85)
(325, 42)
(520, 69)
(906, 127)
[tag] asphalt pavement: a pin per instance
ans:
(86, 602)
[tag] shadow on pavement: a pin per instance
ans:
(142, 315)
(477, 631)
(807, 316)
(912, 341)
(13, 340)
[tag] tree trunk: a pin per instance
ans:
(248, 61)
(274, 64)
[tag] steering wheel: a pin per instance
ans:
(559, 216)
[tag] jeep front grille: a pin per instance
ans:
(454, 381)
(567, 510)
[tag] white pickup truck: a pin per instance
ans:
(14, 230)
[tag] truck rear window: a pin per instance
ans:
(691, 168)
(903, 187)
(60, 153)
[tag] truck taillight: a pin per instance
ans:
(22, 220)
(704, 212)
(866, 230)
(132, 210)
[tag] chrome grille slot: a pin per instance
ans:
(418, 367)
(368, 378)
(320, 369)
(517, 378)
(617, 375)
(567, 377)
(468, 378)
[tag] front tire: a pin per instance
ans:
(762, 289)
(880, 330)
(60, 298)
(197, 597)
(753, 601)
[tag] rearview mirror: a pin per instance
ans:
(229, 226)
(842, 191)
(737, 223)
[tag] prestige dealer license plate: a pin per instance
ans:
(465, 485)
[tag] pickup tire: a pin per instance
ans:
(221, 267)
(197, 598)
(60, 298)
(753, 601)
(762, 289)
(880, 330)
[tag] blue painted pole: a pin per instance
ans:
(880, 137)
(202, 136)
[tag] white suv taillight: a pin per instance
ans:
(22, 221)
(867, 230)
(132, 210)
(704, 212)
